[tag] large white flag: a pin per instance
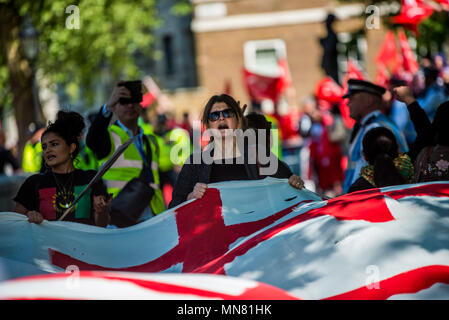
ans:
(376, 244)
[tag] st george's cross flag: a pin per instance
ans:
(388, 243)
(105, 285)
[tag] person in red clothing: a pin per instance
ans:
(325, 151)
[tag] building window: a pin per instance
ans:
(262, 56)
(168, 54)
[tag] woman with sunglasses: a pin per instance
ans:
(222, 115)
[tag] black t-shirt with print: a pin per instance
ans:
(51, 193)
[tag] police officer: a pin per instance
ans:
(365, 104)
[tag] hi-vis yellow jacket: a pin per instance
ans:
(32, 157)
(129, 166)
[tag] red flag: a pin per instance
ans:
(344, 111)
(412, 13)
(409, 62)
(147, 99)
(152, 94)
(382, 76)
(286, 79)
(353, 71)
(328, 90)
(388, 54)
(262, 87)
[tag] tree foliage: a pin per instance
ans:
(434, 32)
(5, 91)
(83, 45)
(110, 33)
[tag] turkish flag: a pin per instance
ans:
(409, 62)
(412, 13)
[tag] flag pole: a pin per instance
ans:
(99, 174)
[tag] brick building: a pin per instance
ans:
(231, 34)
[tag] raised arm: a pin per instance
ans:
(421, 122)
(97, 138)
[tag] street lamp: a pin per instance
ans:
(29, 37)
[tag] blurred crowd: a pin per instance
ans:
(313, 137)
(167, 130)
(326, 128)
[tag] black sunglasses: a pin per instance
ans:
(214, 116)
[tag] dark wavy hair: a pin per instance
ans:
(230, 102)
(259, 122)
(69, 126)
(380, 149)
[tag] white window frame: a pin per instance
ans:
(250, 49)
